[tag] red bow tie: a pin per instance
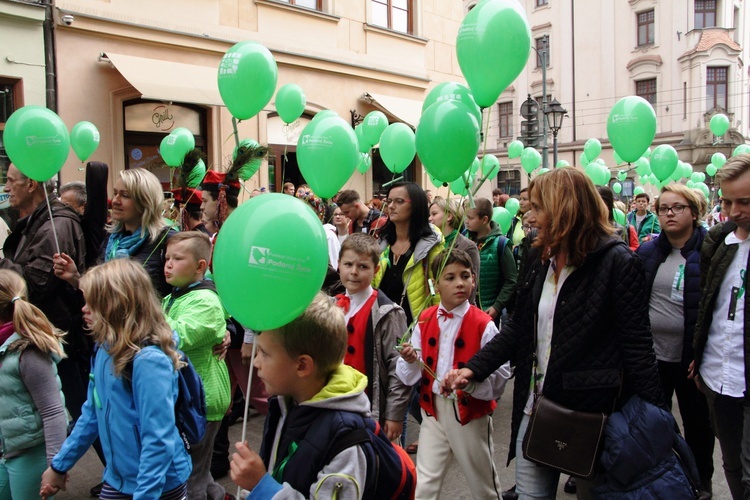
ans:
(442, 313)
(343, 302)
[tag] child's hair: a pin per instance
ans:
(320, 332)
(362, 244)
(125, 311)
(198, 243)
(483, 208)
(454, 212)
(448, 257)
(28, 320)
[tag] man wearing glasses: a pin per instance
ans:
(672, 269)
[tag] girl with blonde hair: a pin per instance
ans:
(132, 392)
(32, 415)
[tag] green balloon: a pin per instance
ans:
(741, 149)
(452, 91)
(642, 166)
(84, 139)
(687, 170)
(290, 102)
(185, 141)
(490, 166)
(247, 79)
(638, 190)
(363, 145)
(170, 151)
(327, 155)
(259, 248)
(592, 148)
(719, 124)
(664, 160)
(515, 149)
(542, 171)
(617, 188)
(647, 154)
(326, 113)
(512, 206)
(584, 161)
(397, 148)
(562, 163)
(502, 217)
(711, 169)
(619, 215)
(530, 159)
(617, 158)
(37, 142)
(622, 175)
(435, 182)
(500, 28)
(474, 168)
(677, 174)
(459, 186)
(373, 126)
(702, 187)
(365, 162)
(196, 175)
(631, 127)
(447, 140)
(718, 160)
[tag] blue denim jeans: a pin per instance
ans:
(532, 480)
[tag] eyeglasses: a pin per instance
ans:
(396, 201)
(677, 209)
(526, 227)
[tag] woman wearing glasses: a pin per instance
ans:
(671, 263)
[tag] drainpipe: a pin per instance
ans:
(573, 57)
(49, 55)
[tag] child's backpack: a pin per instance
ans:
(390, 472)
(190, 407)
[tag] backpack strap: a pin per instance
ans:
(352, 438)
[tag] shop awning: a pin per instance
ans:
(405, 110)
(168, 81)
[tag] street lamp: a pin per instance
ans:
(554, 115)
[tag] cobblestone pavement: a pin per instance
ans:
(88, 471)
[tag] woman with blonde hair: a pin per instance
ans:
(580, 333)
(32, 415)
(132, 393)
(448, 215)
(138, 230)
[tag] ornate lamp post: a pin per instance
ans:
(554, 115)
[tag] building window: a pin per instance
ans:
(509, 181)
(540, 3)
(647, 90)
(506, 119)
(705, 13)
(309, 4)
(392, 14)
(716, 88)
(646, 28)
(542, 46)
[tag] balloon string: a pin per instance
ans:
(484, 179)
(395, 179)
(52, 221)
(236, 133)
(247, 402)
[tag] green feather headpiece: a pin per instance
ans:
(246, 160)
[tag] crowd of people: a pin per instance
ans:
(429, 309)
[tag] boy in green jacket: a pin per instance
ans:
(194, 311)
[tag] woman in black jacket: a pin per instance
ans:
(583, 296)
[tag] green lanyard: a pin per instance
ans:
(278, 472)
(742, 286)
(680, 276)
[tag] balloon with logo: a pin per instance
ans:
(290, 102)
(172, 148)
(664, 160)
(365, 162)
(397, 147)
(592, 148)
(718, 160)
(631, 127)
(185, 141)
(452, 91)
(327, 155)
(37, 142)
(515, 148)
(247, 79)
(447, 139)
(502, 217)
(84, 139)
(512, 206)
(530, 159)
(500, 28)
(741, 149)
(490, 166)
(719, 124)
(259, 248)
(373, 126)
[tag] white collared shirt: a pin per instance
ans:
(356, 302)
(411, 373)
(545, 325)
(723, 365)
